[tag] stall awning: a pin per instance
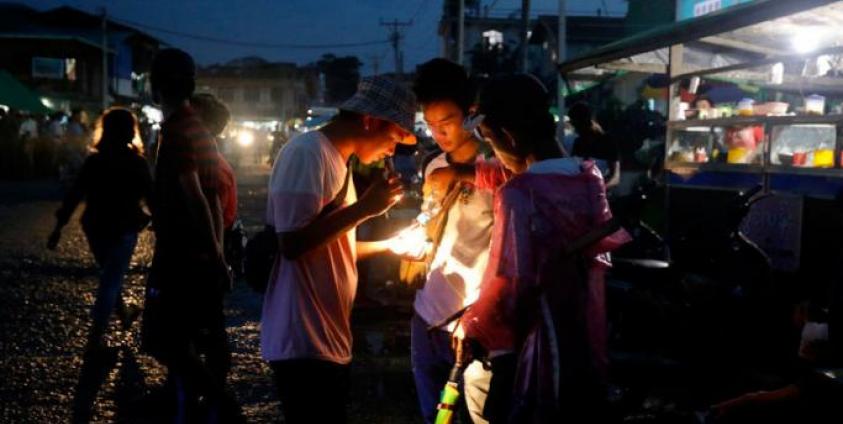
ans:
(690, 30)
(17, 96)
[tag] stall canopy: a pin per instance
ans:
(741, 43)
(17, 96)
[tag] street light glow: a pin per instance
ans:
(245, 138)
(806, 41)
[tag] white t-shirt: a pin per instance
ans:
(28, 129)
(307, 305)
(457, 268)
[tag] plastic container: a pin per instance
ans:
(815, 105)
(683, 111)
(745, 107)
(770, 108)
(824, 158)
(738, 155)
(700, 155)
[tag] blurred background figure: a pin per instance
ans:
(73, 149)
(279, 139)
(593, 143)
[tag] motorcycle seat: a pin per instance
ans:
(647, 264)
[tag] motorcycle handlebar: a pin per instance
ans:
(744, 202)
(755, 199)
(752, 192)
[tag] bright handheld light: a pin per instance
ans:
(411, 241)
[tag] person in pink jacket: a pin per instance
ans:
(540, 314)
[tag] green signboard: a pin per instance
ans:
(689, 9)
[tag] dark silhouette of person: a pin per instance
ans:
(189, 275)
(593, 143)
(113, 182)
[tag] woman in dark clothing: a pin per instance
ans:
(593, 143)
(113, 181)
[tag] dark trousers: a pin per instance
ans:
(113, 254)
(184, 328)
(312, 390)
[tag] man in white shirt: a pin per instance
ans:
(306, 330)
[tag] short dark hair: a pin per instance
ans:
(521, 104)
(580, 112)
(173, 73)
(214, 113)
(117, 130)
(440, 79)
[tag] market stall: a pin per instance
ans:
(783, 131)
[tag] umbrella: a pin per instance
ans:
(17, 96)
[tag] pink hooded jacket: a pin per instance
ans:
(536, 215)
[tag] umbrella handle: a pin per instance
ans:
(448, 404)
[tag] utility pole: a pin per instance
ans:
(461, 32)
(525, 29)
(104, 59)
(395, 38)
(376, 60)
(562, 43)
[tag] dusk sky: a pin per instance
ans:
(301, 22)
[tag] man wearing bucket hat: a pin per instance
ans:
(314, 209)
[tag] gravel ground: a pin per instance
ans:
(45, 299)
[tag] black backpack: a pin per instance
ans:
(259, 258)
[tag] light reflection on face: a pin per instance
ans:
(445, 118)
(383, 137)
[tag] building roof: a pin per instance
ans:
(690, 30)
(250, 67)
(21, 21)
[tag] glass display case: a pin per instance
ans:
(804, 145)
(797, 144)
(753, 96)
(737, 143)
(695, 145)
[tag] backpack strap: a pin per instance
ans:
(340, 198)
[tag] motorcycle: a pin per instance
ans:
(691, 295)
(695, 307)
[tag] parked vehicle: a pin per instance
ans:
(700, 290)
